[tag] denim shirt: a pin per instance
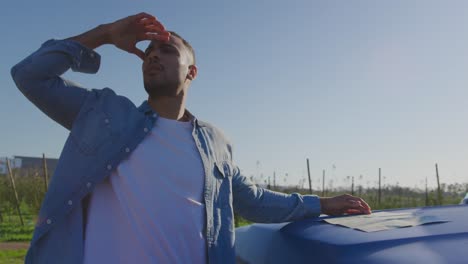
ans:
(104, 130)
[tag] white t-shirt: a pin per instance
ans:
(150, 210)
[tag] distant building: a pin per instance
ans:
(27, 165)
(13, 163)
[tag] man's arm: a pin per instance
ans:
(38, 76)
(266, 206)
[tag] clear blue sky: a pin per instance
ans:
(354, 84)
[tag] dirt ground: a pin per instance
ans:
(13, 245)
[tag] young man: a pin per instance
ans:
(147, 184)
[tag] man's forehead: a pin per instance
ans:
(173, 40)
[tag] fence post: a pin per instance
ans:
(310, 181)
(10, 172)
(427, 195)
(46, 173)
(274, 180)
(380, 186)
(323, 183)
(439, 193)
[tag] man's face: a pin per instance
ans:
(166, 67)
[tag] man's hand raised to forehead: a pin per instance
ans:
(127, 32)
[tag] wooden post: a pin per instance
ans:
(10, 172)
(427, 195)
(46, 173)
(439, 193)
(380, 186)
(310, 180)
(274, 180)
(323, 183)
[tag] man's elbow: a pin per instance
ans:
(20, 76)
(13, 73)
(17, 75)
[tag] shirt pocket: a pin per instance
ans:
(91, 130)
(223, 177)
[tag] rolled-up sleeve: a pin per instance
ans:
(38, 78)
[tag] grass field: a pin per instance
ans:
(12, 256)
(12, 231)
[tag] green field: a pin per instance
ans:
(11, 229)
(12, 256)
(31, 192)
(15, 233)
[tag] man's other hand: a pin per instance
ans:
(344, 204)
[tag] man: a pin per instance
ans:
(147, 184)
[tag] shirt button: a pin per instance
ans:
(127, 150)
(88, 184)
(106, 121)
(91, 55)
(145, 129)
(49, 221)
(70, 202)
(155, 115)
(109, 167)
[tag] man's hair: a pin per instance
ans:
(186, 43)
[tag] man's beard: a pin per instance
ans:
(157, 88)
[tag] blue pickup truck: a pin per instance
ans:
(316, 241)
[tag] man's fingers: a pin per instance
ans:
(363, 204)
(142, 15)
(353, 199)
(151, 23)
(148, 33)
(353, 204)
(353, 211)
(156, 28)
(357, 208)
(152, 36)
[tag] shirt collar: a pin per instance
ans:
(146, 109)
